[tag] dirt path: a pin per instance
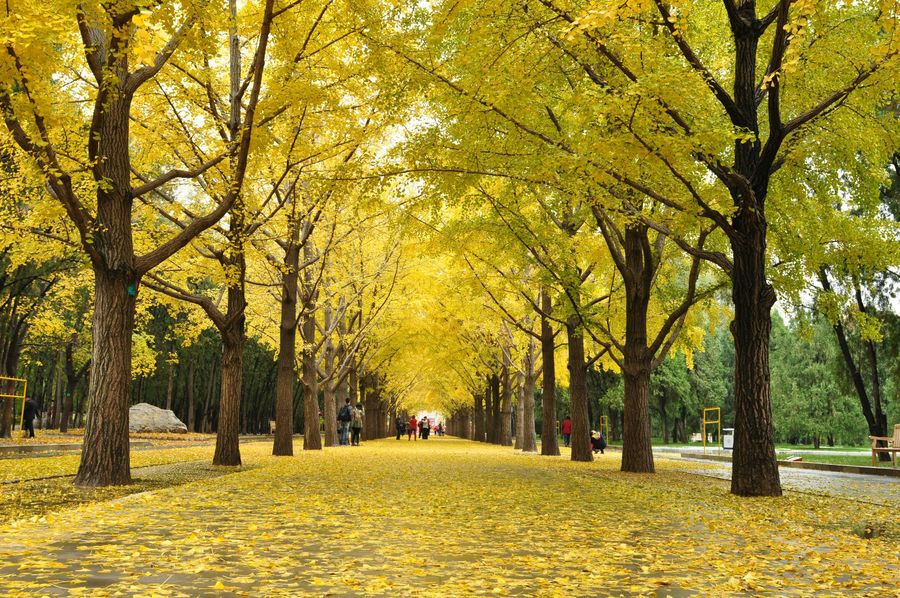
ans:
(451, 518)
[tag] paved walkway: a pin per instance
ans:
(446, 517)
(854, 487)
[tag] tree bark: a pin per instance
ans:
(478, 427)
(505, 433)
(637, 450)
(190, 397)
(754, 468)
(228, 429)
(283, 444)
(549, 439)
(494, 421)
(170, 386)
(529, 440)
(312, 439)
(520, 417)
(581, 434)
(105, 459)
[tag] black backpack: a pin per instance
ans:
(344, 414)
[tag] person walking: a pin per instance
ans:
(30, 411)
(423, 428)
(567, 430)
(356, 424)
(411, 427)
(401, 426)
(344, 417)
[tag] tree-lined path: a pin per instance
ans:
(450, 517)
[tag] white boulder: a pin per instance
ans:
(145, 417)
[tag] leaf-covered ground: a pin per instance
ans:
(451, 518)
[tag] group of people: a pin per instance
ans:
(350, 419)
(598, 440)
(415, 429)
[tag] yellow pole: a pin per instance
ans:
(24, 398)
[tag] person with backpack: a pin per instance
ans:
(401, 426)
(345, 416)
(356, 424)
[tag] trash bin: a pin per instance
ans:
(728, 438)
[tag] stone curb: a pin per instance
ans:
(48, 448)
(857, 469)
(51, 448)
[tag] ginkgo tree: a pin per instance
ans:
(644, 84)
(105, 56)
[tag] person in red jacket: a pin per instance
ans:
(411, 428)
(567, 430)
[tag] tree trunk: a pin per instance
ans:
(312, 439)
(105, 459)
(529, 441)
(581, 434)
(494, 422)
(370, 407)
(754, 468)
(549, 439)
(283, 444)
(190, 396)
(520, 417)
(478, 427)
(505, 435)
(664, 417)
(228, 428)
(875, 418)
(170, 386)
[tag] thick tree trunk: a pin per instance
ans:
(105, 459)
(581, 434)
(330, 415)
(283, 444)
(228, 430)
(637, 450)
(478, 424)
(549, 439)
(754, 468)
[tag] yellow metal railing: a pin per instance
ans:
(707, 421)
(4, 387)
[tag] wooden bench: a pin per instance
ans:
(893, 446)
(271, 426)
